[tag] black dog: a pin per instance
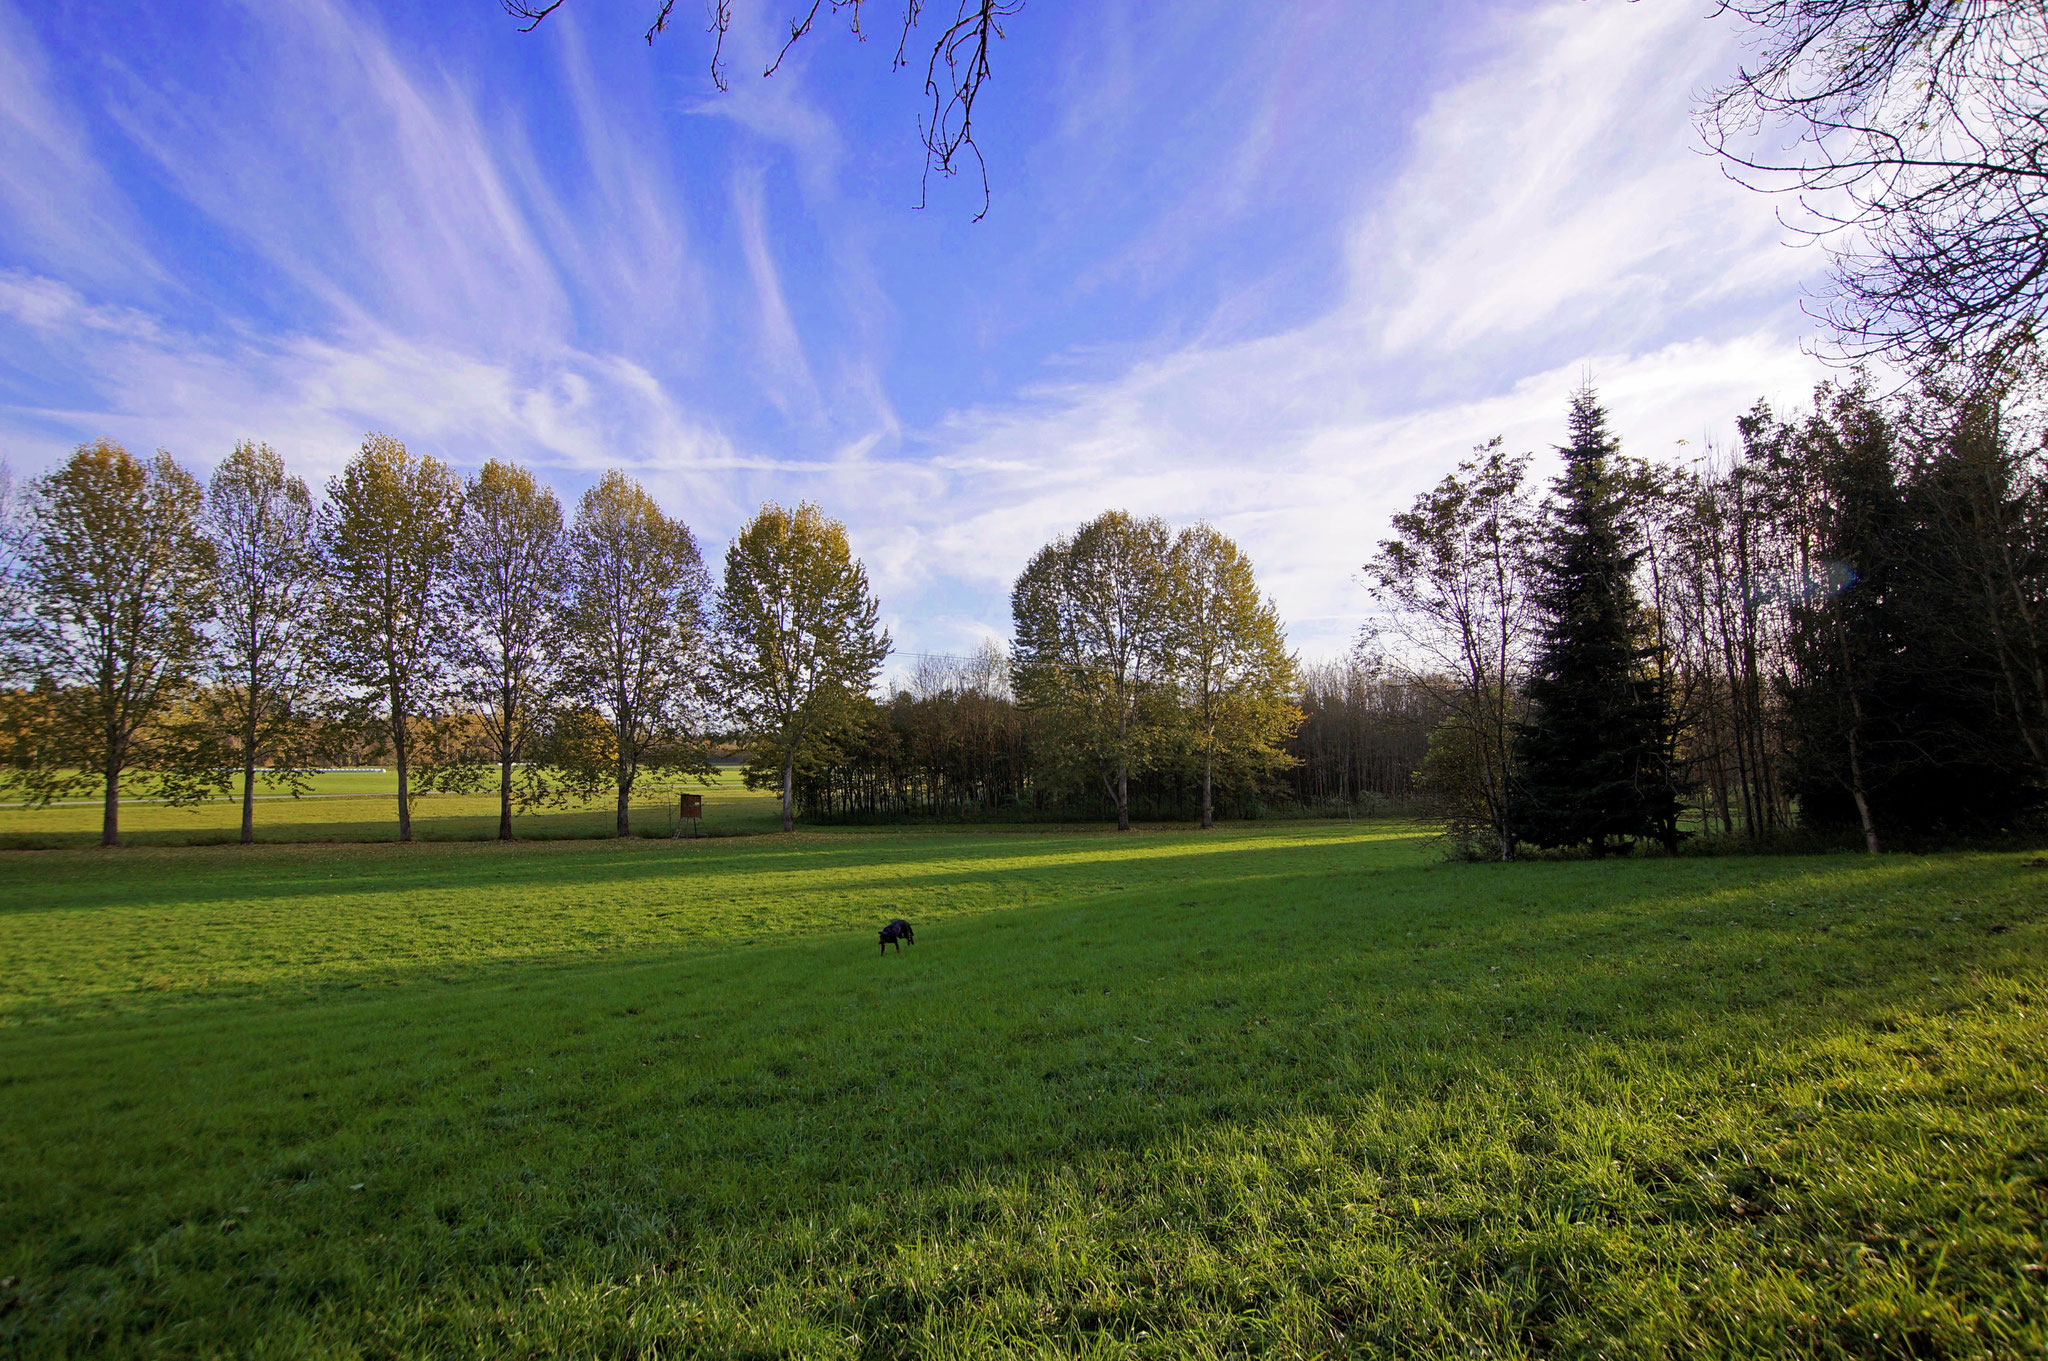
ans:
(895, 933)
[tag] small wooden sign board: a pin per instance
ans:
(690, 808)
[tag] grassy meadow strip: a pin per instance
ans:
(1293, 1091)
(362, 806)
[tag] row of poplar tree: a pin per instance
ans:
(173, 638)
(1840, 624)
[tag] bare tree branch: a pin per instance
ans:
(1920, 160)
(955, 70)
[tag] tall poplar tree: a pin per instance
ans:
(390, 526)
(635, 645)
(1236, 675)
(267, 581)
(801, 638)
(1596, 752)
(1093, 659)
(116, 577)
(505, 580)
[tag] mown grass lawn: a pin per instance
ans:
(1289, 1090)
(363, 806)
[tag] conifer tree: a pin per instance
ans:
(1902, 714)
(1595, 754)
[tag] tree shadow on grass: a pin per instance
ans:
(774, 1111)
(151, 875)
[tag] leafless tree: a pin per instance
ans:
(1921, 160)
(1454, 578)
(954, 69)
(1363, 736)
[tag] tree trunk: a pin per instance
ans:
(110, 816)
(508, 713)
(1857, 790)
(625, 827)
(788, 790)
(249, 798)
(505, 792)
(1856, 782)
(253, 680)
(398, 745)
(1123, 795)
(1208, 787)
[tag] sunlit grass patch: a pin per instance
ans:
(1294, 1090)
(363, 806)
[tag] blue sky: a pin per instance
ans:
(1273, 266)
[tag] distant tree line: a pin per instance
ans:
(177, 640)
(1839, 624)
(1148, 678)
(181, 640)
(953, 743)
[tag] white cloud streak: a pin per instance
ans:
(1551, 217)
(1553, 220)
(57, 205)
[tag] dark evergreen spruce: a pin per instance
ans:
(1898, 722)
(1595, 756)
(1841, 489)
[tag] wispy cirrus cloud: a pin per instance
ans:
(1550, 220)
(433, 278)
(574, 415)
(1366, 245)
(59, 206)
(784, 370)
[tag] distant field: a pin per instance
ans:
(1280, 1090)
(363, 806)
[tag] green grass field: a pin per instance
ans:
(363, 806)
(1292, 1090)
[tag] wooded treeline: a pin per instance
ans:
(1837, 624)
(175, 639)
(179, 640)
(1148, 678)
(954, 743)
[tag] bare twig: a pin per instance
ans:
(962, 49)
(1920, 162)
